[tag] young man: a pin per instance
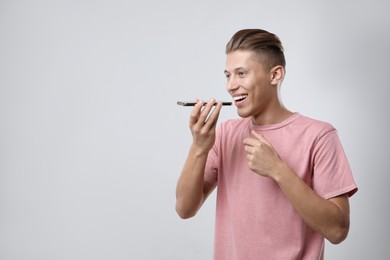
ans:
(283, 179)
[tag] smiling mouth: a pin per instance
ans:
(240, 98)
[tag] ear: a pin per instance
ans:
(277, 75)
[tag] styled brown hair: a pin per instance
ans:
(266, 45)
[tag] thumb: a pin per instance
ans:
(261, 138)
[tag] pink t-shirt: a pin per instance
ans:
(254, 220)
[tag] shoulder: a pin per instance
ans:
(315, 126)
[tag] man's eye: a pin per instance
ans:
(227, 76)
(241, 73)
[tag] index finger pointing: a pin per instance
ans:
(261, 138)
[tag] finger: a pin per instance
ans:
(194, 117)
(249, 149)
(212, 119)
(261, 138)
(251, 141)
(204, 113)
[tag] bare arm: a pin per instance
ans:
(191, 189)
(328, 217)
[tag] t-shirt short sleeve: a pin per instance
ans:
(212, 164)
(211, 169)
(332, 175)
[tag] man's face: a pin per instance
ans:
(249, 83)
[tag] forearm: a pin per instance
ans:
(189, 189)
(326, 217)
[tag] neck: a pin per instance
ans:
(272, 116)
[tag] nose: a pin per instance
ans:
(232, 84)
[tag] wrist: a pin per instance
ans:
(281, 172)
(198, 151)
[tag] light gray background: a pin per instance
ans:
(92, 141)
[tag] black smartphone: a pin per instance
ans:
(192, 103)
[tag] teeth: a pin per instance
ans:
(239, 97)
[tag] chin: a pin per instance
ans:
(243, 114)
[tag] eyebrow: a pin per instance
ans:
(236, 69)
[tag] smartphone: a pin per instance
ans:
(192, 103)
